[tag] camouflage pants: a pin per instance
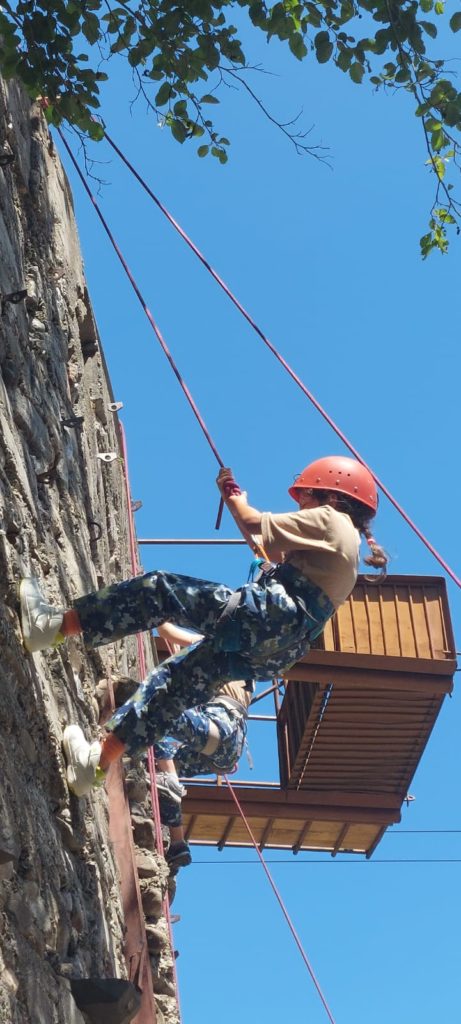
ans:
(189, 735)
(270, 627)
(190, 732)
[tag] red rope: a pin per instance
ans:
(144, 305)
(143, 673)
(281, 903)
(284, 363)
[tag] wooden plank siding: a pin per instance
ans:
(357, 714)
(281, 820)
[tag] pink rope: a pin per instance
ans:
(280, 901)
(143, 673)
(284, 363)
(254, 545)
(144, 305)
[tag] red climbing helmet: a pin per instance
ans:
(337, 473)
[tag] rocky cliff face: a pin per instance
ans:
(63, 518)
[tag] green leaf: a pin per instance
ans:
(455, 22)
(163, 94)
(439, 7)
(426, 5)
(438, 140)
(118, 45)
(297, 46)
(403, 75)
(178, 130)
(134, 57)
(323, 47)
(9, 65)
(257, 12)
(90, 28)
(439, 167)
(426, 245)
(432, 124)
(451, 115)
(203, 151)
(344, 59)
(208, 98)
(96, 131)
(321, 37)
(356, 72)
(429, 28)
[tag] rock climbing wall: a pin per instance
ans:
(64, 519)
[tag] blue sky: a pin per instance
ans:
(327, 261)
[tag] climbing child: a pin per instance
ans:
(255, 632)
(205, 739)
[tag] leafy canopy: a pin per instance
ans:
(182, 53)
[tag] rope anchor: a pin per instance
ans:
(106, 456)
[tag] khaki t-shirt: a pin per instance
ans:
(238, 691)
(321, 543)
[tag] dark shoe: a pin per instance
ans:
(179, 855)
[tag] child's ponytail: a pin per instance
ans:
(378, 558)
(361, 517)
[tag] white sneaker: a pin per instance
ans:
(82, 758)
(169, 785)
(40, 621)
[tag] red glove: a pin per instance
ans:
(230, 487)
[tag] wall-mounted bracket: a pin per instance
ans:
(106, 456)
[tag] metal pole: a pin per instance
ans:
(187, 540)
(265, 693)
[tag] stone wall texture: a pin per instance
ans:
(64, 519)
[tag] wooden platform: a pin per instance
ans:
(287, 820)
(357, 714)
(359, 710)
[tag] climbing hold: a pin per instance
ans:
(9, 850)
(115, 406)
(96, 529)
(89, 347)
(14, 298)
(6, 157)
(136, 505)
(17, 296)
(106, 456)
(73, 421)
(106, 1000)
